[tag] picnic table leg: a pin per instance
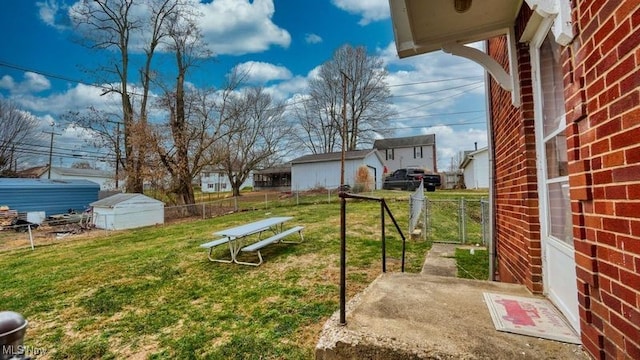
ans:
(250, 263)
(211, 258)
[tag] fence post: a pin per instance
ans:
(266, 201)
(464, 220)
(297, 197)
(30, 237)
(204, 211)
(424, 221)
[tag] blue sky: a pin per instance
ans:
(47, 73)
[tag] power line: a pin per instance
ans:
(437, 81)
(441, 99)
(69, 79)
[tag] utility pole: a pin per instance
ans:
(117, 149)
(51, 147)
(117, 152)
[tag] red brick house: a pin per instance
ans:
(564, 124)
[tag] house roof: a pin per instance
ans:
(82, 172)
(33, 172)
(409, 141)
(334, 156)
(38, 171)
(116, 199)
(468, 156)
(274, 170)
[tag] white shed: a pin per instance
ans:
(127, 211)
(476, 169)
(323, 170)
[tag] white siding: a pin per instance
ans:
(213, 182)
(476, 173)
(129, 214)
(404, 157)
(326, 174)
(105, 183)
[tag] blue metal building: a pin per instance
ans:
(50, 196)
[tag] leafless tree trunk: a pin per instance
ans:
(115, 24)
(255, 134)
(368, 101)
(18, 130)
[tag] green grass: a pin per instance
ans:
(151, 293)
(472, 266)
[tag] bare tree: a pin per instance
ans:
(117, 25)
(256, 133)
(17, 127)
(319, 131)
(368, 104)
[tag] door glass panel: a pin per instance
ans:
(552, 86)
(556, 151)
(560, 212)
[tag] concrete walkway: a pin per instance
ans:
(431, 315)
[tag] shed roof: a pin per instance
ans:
(334, 156)
(114, 200)
(409, 141)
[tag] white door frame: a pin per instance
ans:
(558, 257)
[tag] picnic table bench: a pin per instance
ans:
(238, 238)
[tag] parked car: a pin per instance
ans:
(410, 178)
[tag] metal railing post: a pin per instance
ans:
(384, 242)
(343, 259)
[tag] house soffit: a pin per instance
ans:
(425, 26)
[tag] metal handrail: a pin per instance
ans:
(343, 248)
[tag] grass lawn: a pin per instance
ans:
(472, 265)
(152, 294)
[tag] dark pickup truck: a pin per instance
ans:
(409, 179)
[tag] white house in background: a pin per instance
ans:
(323, 170)
(412, 151)
(215, 181)
(127, 211)
(105, 179)
(475, 167)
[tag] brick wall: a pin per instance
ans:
(602, 91)
(603, 114)
(517, 223)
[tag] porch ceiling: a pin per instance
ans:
(422, 26)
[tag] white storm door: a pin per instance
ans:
(558, 262)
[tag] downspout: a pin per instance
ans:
(492, 171)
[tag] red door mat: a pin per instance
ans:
(529, 316)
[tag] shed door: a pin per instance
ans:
(558, 263)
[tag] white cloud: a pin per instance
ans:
(53, 13)
(6, 82)
(79, 97)
(239, 27)
(229, 27)
(312, 38)
(31, 83)
(370, 10)
(261, 72)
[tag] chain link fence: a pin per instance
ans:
(462, 221)
(459, 221)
